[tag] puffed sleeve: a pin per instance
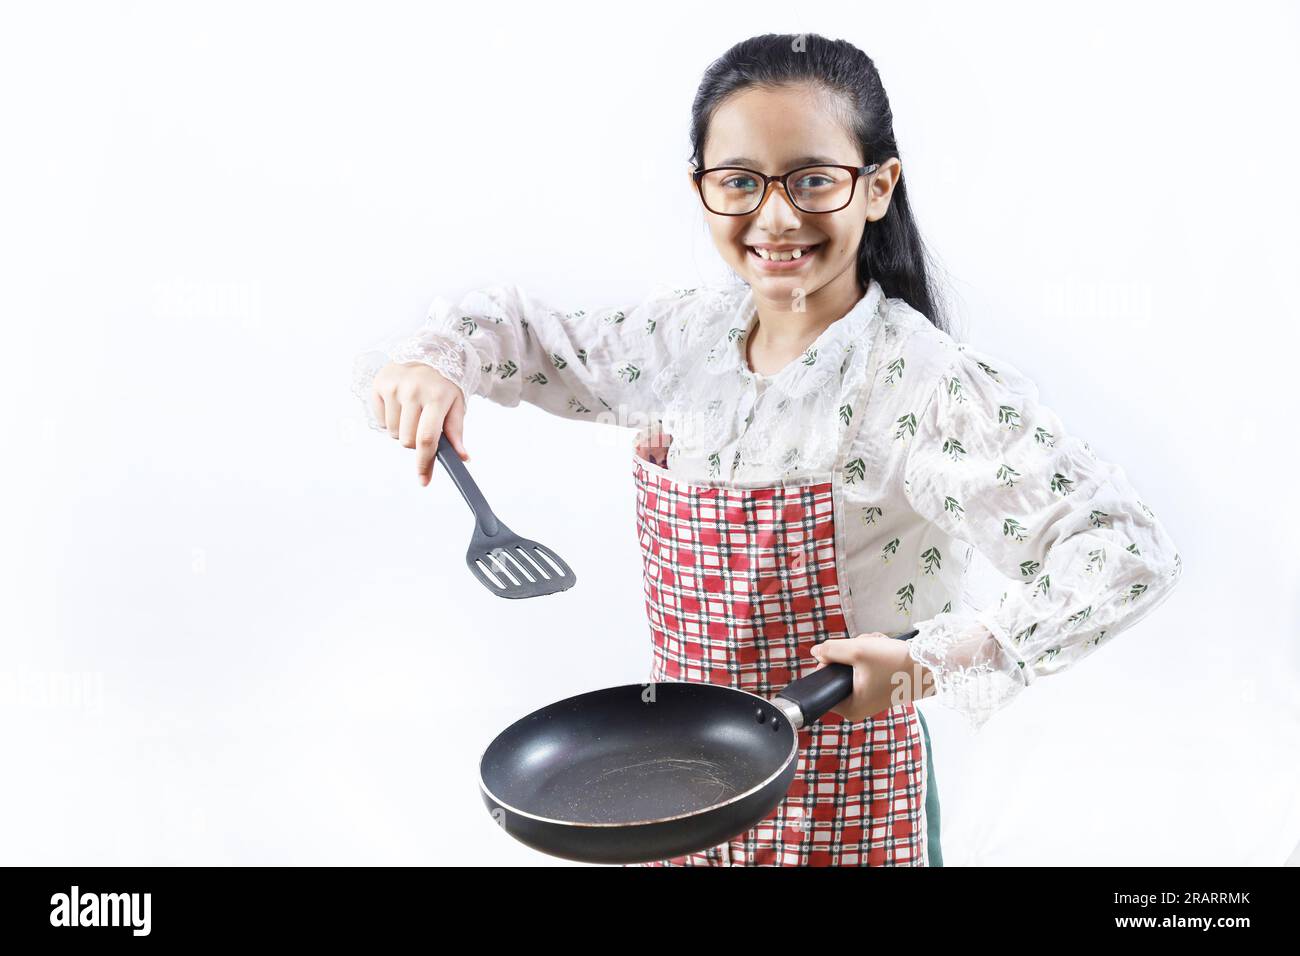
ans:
(995, 468)
(507, 346)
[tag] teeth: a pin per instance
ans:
(782, 256)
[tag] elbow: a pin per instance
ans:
(1159, 581)
(1173, 569)
(1172, 572)
(1169, 566)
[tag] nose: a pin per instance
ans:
(776, 215)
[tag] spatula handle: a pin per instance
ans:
(487, 521)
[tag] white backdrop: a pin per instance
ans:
(235, 629)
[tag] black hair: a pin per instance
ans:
(891, 251)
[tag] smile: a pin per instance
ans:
(784, 259)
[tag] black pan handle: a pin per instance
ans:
(487, 521)
(825, 687)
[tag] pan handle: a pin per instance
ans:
(825, 687)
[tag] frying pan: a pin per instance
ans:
(644, 772)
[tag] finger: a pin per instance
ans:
(453, 426)
(377, 406)
(833, 651)
(410, 421)
(393, 413)
(426, 442)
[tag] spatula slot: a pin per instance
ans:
(559, 570)
(485, 573)
(533, 565)
(503, 569)
(521, 568)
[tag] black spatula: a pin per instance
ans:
(508, 565)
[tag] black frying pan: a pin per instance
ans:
(645, 772)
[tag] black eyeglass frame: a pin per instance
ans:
(857, 171)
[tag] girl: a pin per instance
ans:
(819, 458)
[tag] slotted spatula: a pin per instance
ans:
(508, 565)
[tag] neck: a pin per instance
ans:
(786, 327)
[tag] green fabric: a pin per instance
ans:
(935, 852)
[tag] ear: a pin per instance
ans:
(881, 189)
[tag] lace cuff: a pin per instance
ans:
(974, 672)
(364, 370)
(446, 354)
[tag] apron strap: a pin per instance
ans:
(871, 341)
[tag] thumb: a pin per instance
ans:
(832, 651)
(453, 426)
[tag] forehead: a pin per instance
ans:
(775, 129)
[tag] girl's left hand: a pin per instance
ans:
(884, 674)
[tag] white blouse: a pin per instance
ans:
(954, 454)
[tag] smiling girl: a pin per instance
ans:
(820, 460)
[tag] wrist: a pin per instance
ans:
(913, 680)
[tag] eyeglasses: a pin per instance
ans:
(737, 191)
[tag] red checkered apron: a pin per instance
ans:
(740, 583)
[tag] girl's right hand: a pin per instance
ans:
(419, 404)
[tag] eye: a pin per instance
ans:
(813, 181)
(740, 181)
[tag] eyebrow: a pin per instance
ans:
(801, 161)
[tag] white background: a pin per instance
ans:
(234, 628)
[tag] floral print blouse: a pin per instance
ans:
(955, 454)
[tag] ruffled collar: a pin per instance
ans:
(823, 359)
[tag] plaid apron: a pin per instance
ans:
(740, 583)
